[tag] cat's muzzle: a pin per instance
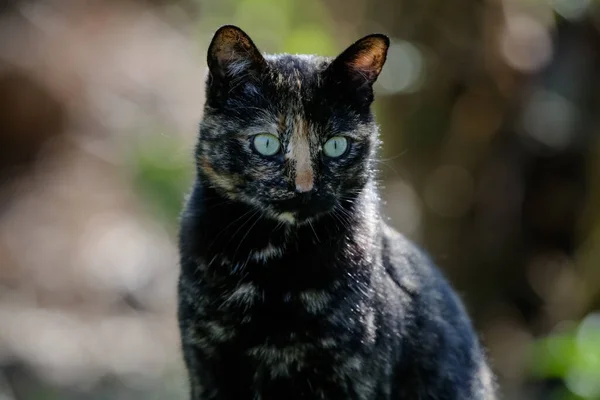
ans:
(305, 205)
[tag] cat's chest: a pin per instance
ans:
(299, 320)
(304, 339)
(255, 311)
(271, 305)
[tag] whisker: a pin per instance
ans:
(393, 157)
(228, 225)
(222, 203)
(279, 225)
(241, 226)
(246, 235)
(389, 166)
(313, 229)
(337, 218)
(346, 216)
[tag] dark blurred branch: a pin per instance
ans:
(30, 115)
(7, 387)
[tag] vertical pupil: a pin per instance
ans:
(267, 144)
(335, 144)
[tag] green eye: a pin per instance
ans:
(266, 144)
(335, 147)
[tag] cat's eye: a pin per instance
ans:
(266, 144)
(335, 147)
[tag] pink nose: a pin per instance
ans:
(304, 181)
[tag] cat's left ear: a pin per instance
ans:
(232, 53)
(363, 61)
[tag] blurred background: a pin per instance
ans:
(490, 119)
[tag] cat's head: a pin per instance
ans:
(292, 135)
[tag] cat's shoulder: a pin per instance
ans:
(415, 272)
(410, 266)
(402, 254)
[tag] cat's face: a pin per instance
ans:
(292, 135)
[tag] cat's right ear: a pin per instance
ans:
(232, 53)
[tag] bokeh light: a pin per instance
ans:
(549, 119)
(526, 44)
(405, 70)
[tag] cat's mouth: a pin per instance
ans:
(303, 206)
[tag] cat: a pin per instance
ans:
(292, 286)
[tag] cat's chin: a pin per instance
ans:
(297, 218)
(287, 217)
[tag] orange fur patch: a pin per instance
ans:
(223, 181)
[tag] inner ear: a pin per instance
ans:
(363, 60)
(232, 52)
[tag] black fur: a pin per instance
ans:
(287, 295)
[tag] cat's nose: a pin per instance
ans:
(305, 191)
(304, 188)
(304, 180)
(301, 189)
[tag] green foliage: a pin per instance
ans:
(283, 26)
(572, 355)
(310, 40)
(162, 171)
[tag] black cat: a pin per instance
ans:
(292, 286)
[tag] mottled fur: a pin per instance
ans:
(292, 286)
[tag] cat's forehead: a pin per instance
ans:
(303, 63)
(288, 70)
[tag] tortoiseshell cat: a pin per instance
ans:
(292, 286)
